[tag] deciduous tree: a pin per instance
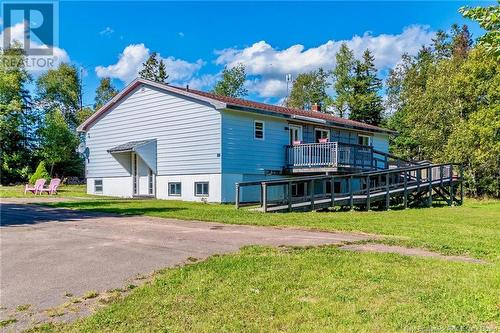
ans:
(232, 83)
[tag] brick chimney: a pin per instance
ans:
(316, 107)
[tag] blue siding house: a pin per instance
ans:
(157, 140)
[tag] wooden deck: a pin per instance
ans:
(395, 186)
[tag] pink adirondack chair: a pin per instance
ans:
(52, 189)
(37, 188)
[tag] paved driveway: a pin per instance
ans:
(47, 252)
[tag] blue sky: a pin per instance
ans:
(198, 38)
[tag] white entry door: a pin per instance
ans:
(143, 177)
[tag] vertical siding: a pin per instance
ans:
(188, 134)
(243, 154)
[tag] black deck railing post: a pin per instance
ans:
(461, 184)
(419, 176)
(237, 202)
(368, 199)
(429, 178)
(387, 192)
(405, 193)
(351, 194)
(289, 196)
(264, 197)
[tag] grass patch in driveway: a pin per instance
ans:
(303, 290)
(472, 229)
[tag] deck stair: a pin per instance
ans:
(399, 183)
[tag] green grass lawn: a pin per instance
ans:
(67, 191)
(472, 229)
(321, 289)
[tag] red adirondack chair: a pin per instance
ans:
(52, 189)
(37, 188)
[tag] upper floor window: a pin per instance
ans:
(321, 135)
(258, 131)
(295, 134)
(364, 140)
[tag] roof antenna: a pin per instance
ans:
(187, 87)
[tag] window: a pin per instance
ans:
(98, 186)
(298, 189)
(259, 130)
(174, 189)
(364, 140)
(321, 134)
(295, 134)
(201, 189)
(150, 182)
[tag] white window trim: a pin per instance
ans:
(202, 195)
(95, 186)
(263, 130)
(171, 194)
(301, 131)
(321, 130)
(366, 136)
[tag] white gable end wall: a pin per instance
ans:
(187, 133)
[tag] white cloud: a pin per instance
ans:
(269, 64)
(35, 64)
(107, 32)
(180, 34)
(133, 56)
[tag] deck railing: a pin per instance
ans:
(329, 154)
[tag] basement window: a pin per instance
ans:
(201, 189)
(98, 186)
(174, 189)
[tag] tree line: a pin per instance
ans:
(443, 102)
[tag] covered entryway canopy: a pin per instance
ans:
(145, 149)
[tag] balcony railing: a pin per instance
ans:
(329, 155)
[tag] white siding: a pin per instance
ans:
(187, 187)
(187, 132)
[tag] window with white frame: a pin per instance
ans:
(321, 134)
(364, 140)
(295, 134)
(98, 186)
(201, 189)
(258, 130)
(174, 189)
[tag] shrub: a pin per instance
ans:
(40, 172)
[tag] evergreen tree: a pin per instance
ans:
(16, 118)
(104, 92)
(308, 89)
(461, 41)
(343, 79)
(232, 83)
(366, 105)
(441, 45)
(154, 69)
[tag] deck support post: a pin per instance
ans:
(429, 178)
(452, 190)
(351, 196)
(387, 194)
(237, 196)
(264, 197)
(311, 185)
(368, 203)
(289, 196)
(332, 187)
(405, 193)
(461, 184)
